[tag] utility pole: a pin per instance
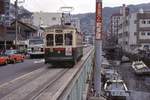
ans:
(98, 48)
(16, 21)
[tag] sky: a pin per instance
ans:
(80, 6)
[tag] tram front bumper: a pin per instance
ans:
(58, 59)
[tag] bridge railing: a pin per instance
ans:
(77, 87)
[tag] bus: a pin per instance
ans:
(63, 45)
(36, 47)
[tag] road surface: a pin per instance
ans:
(12, 71)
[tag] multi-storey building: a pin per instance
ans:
(7, 8)
(139, 31)
(134, 31)
(114, 26)
(44, 19)
(123, 23)
(4, 12)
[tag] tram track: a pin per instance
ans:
(55, 92)
(47, 85)
(29, 86)
(10, 86)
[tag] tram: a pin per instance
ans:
(63, 45)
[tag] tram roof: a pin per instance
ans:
(61, 27)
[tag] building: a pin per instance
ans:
(25, 31)
(139, 29)
(134, 31)
(7, 8)
(24, 15)
(115, 18)
(76, 23)
(88, 38)
(43, 19)
(4, 12)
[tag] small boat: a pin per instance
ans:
(116, 89)
(140, 68)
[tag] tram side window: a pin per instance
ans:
(50, 40)
(68, 39)
(59, 39)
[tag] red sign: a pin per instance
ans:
(98, 20)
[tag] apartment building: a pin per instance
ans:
(143, 29)
(114, 26)
(134, 31)
(4, 12)
(76, 23)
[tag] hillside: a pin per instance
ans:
(88, 19)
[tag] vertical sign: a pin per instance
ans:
(98, 20)
(98, 48)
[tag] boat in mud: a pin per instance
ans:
(116, 89)
(140, 68)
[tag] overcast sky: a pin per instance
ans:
(80, 6)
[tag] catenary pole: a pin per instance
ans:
(98, 48)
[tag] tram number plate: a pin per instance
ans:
(68, 51)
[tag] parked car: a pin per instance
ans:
(3, 59)
(140, 68)
(14, 56)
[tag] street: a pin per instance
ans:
(12, 71)
(138, 85)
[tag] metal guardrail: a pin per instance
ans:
(76, 89)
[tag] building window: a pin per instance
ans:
(54, 18)
(148, 22)
(135, 22)
(148, 33)
(143, 22)
(142, 33)
(135, 33)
